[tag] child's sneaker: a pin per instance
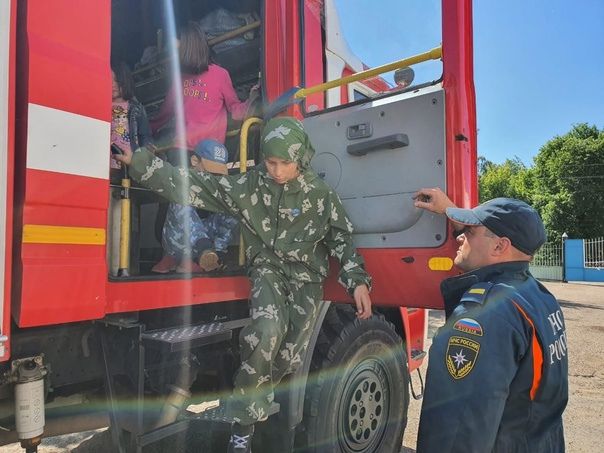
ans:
(209, 261)
(165, 265)
(188, 266)
(241, 439)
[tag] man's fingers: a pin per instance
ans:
(422, 204)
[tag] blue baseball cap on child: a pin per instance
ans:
(506, 217)
(214, 156)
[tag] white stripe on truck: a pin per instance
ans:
(65, 142)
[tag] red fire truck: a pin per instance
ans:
(83, 346)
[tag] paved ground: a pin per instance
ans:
(583, 306)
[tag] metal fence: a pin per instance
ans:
(593, 252)
(549, 254)
(547, 262)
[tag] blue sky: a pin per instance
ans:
(538, 64)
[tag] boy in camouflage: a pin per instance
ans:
(291, 222)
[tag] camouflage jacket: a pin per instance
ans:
(292, 227)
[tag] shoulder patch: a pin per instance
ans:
(462, 354)
(470, 326)
(477, 293)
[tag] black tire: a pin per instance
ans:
(358, 394)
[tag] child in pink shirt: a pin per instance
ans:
(207, 93)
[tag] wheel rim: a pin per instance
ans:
(364, 409)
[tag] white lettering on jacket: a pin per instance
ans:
(555, 320)
(557, 349)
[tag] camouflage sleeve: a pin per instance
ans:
(339, 243)
(200, 190)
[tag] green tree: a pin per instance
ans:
(568, 183)
(510, 179)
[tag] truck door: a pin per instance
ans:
(62, 156)
(376, 155)
(378, 142)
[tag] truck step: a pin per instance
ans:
(215, 415)
(179, 338)
(219, 415)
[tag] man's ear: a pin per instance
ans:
(194, 160)
(502, 246)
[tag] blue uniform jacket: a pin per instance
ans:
(497, 377)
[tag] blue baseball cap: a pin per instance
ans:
(214, 156)
(506, 217)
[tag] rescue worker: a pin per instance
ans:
(291, 222)
(497, 378)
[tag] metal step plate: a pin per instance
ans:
(219, 415)
(179, 338)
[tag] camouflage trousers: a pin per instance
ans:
(283, 314)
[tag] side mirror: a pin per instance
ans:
(403, 77)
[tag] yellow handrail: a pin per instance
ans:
(245, 128)
(433, 54)
(124, 265)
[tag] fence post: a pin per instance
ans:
(564, 238)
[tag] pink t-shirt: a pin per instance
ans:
(206, 99)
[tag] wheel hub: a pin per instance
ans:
(365, 404)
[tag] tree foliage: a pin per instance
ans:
(510, 179)
(569, 183)
(565, 184)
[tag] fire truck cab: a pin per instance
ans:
(90, 337)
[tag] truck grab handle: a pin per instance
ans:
(388, 142)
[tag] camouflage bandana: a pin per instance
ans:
(284, 138)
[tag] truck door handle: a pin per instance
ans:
(389, 142)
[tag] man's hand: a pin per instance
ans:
(125, 157)
(434, 200)
(363, 302)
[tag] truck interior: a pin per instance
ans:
(141, 34)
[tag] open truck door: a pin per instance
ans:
(376, 154)
(379, 139)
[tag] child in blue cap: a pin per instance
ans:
(186, 236)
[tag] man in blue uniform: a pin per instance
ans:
(497, 377)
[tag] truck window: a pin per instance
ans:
(361, 34)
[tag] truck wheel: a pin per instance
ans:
(358, 392)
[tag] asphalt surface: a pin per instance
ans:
(583, 307)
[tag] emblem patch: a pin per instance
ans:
(461, 356)
(468, 325)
